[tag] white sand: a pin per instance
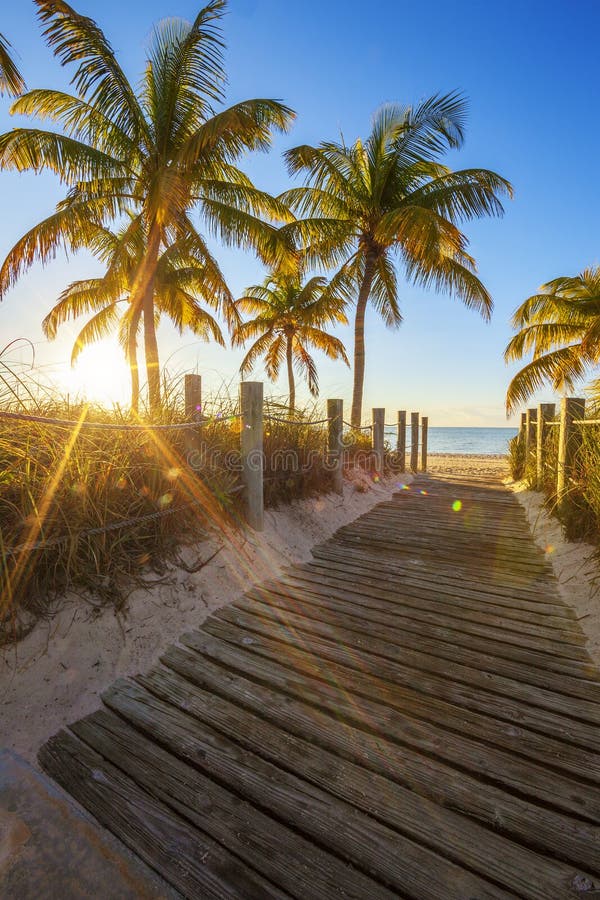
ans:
(450, 464)
(577, 572)
(56, 674)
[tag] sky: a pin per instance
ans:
(529, 69)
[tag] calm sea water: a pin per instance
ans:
(483, 441)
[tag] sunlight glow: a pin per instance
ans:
(100, 375)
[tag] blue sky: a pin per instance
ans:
(530, 72)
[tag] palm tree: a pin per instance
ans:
(154, 155)
(11, 80)
(180, 287)
(290, 317)
(560, 326)
(362, 204)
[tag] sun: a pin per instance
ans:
(100, 375)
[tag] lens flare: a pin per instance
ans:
(457, 506)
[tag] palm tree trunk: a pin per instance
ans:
(151, 350)
(133, 362)
(142, 296)
(290, 370)
(359, 339)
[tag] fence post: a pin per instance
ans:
(414, 441)
(424, 430)
(530, 423)
(251, 440)
(377, 437)
(523, 423)
(335, 446)
(192, 386)
(401, 447)
(545, 414)
(569, 439)
(192, 392)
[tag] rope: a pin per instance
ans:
(103, 529)
(296, 421)
(358, 427)
(109, 426)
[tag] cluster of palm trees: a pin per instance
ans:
(142, 166)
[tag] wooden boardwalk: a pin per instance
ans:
(411, 714)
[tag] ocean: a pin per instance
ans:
(481, 441)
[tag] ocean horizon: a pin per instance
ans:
(459, 440)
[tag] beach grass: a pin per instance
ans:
(99, 512)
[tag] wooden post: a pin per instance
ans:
(251, 439)
(335, 446)
(569, 439)
(378, 437)
(424, 430)
(545, 414)
(192, 386)
(192, 392)
(414, 441)
(530, 423)
(523, 422)
(401, 446)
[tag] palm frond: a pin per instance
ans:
(11, 80)
(98, 78)
(561, 369)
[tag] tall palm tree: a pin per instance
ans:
(11, 80)
(560, 327)
(389, 195)
(180, 289)
(155, 154)
(289, 318)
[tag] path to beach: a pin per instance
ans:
(413, 712)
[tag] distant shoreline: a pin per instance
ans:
(436, 455)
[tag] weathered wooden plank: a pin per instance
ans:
(444, 557)
(185, 857)
(535, 589)
(281, 855)
(411, 714)
(387, 856)
(440, 538)
(407, 584)
(451, 835)
(403, 613)
(508, 729)
(552, 713)
(545, 829)
(392, 603)
(390, 714)
(489, 656)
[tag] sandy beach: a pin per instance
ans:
(449, 464)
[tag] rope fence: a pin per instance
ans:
(115, 426)
(253, 415)
(105, 529)
(297, 422)
(535, 424)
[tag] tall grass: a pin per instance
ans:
(580, 511)
(68, 495)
